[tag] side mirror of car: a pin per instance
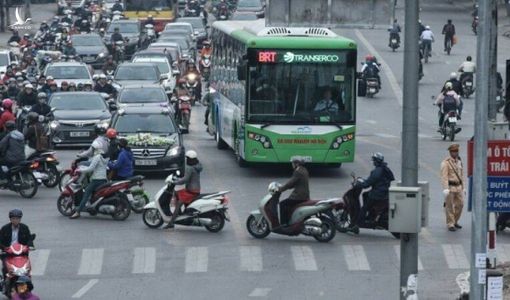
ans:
(163, 77)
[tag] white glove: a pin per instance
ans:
(446, 192)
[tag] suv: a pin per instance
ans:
(76, 72)
(153, 136)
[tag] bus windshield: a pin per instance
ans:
(146, 5)
(297, 90)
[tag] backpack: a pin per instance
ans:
(449, 103)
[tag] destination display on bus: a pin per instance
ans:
(297, 56)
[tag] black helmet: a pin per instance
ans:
(23, 279)
(377, 157)
(32, 116)
(99, 129)
(10, 125)
(15, 213)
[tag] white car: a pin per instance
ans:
(7, 57)
(164, 67)
(76, 72)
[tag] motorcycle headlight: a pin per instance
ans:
(54, 124)
(174, 151)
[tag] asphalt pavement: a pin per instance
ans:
(98, 258)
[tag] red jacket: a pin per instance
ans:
(6, 116)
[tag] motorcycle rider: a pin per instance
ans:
(301, 192)
(23, 289)
(68, 19)
(193, 71)
(12, 148)
(68, 49)
(206, 49)
(34, 134)
(220, 7)
(116, 35)
(13, 90)
(42, 32)
(467, 68)
(41, 108)
(191, 180)
(64, 86)
(14, 37)
(84, 26)
(394, 32)
(27, 96)
(117, 6)
(448, 101)
(109, 65)
(371, 69)
(449, 33)
(97, 168)
(113, 144)
(379, 180)
(457, 87)
(122, 167)
(427, 38)
(7, 114)
(150, 20)
(100, 140)
(25, 41)
(102, 86)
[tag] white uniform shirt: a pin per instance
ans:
(467, 67)
(427, 35)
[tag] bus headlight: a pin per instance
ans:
(341, 139)
(262, 139)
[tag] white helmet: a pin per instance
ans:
(453, 75)
(427, 27)
(191, 154)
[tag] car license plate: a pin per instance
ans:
(146, 162)
(88, 58)
(79, 134)
(394, 41)
(469, 83)
(452, 119)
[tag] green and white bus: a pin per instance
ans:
(283, 92)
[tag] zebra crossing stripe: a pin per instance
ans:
(91, 262)
(144, 261)
(251, 258)
(303, 257)
(196, 259)
(38, 261)
(356, 258)
(455, 256)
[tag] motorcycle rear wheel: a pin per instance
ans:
(122, 209)
(53, 177)
(328, 230)
(217, 222)
(452, 132)
(258, 232)
(152, 218)
(29, 179)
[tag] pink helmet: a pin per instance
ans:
(7, 103)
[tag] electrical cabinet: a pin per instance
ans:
(405, 206)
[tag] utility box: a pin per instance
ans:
(425, 201)
(404, 213)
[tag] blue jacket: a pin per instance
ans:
(380, 179)
(124, 163)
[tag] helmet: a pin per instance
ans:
(191, 154)
(149, 16)
(49, 78)
(72, 84)
(23, 279)
(377, 157)
(7, 103)
(18, 74)
(297, 160)
(99, 129)
(369, 57)
(95, 77)
(10, 125)
(29, 86)
(42, 95)
(448, 86)
(32, 116)
(427, 27)
(102, 76)
(15, 213)
(469, 58)
(111, 133)
(453, 75)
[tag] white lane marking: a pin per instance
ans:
(85, 288)
(196, 259)
(303, 257)
(503, 252)
(91, 262)
(455, 256)
(251, 258)
(144, 261)
(397, 251)
(386, 136)
(38, 261)
(424, 136)
(385, 67)
(371, 121)
(259, 292)
(356, 258)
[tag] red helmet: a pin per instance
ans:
(111, 133)
(7, 103)
(369, 58)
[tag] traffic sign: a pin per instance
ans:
(498, 193)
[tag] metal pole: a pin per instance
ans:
(409, 241)
(493, 61)
(479, 213)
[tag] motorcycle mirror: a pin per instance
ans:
(33, 236)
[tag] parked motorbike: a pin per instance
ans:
(44, 167)
(108, 199)
(17, 264)
(21, 179)
(467, 85)
(349, 217)
(309, 218)
(207, 210)
(205, 67)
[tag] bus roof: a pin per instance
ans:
(255, 35)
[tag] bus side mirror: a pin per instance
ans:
(241, 72)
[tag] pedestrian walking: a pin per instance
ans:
(453, 182)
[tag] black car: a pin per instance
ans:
(153, 136)
(129, 73)
(198, 26)
(145, 95)
(90, 48)
(76, 115)
(130, 29)
(253, 6)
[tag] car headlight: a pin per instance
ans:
(174, 151)
(262, 139)
(341, 139)
(102, 54)
(54, 125)
(104, 123)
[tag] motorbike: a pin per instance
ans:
(44, 167)
(449, 128)
(108, 199)
(221, 13)
(184, 113)
(205, 66)
(118, 51)
(207, 210)
(346, 219)
(467, 85)
(17, 264)
(192, 87)
(394, 42)
(308, 218)
(372, 87)
(21, 179)
(192, 9)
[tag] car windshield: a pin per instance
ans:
(143, 95)
(249, 3)
(162, 64)
(68, 72)
(84, 40)
(294, 90)
(4, 60)
(136, 72)
(124, 27)
(197, 23)
(66, 101)
(153, 123)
